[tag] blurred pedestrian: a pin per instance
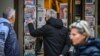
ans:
(9, 45)
(83, 42)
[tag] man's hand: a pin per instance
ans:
(30, 21)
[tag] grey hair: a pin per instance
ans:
(8, 13)
(51, 13)
(82, 27)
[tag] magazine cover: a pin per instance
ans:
(89, 9)
(41, 18)
(91, 21)
(29, 14)
(29, 41)
(64, 13)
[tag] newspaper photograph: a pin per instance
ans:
(41, 18)
(64, 13)
(29, 41)
(92, 24)
(89, 9)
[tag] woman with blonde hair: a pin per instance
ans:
(84, 44)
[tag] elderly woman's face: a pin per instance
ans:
(76, 37)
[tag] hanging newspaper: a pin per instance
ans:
(41, 18)
(29, 41)
(92, 23)
(89, 10)
(29, 13)
(64, 13)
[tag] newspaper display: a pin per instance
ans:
(91, 21)
(89, 9)
(64, 13)
(90, 15)
(29, 14)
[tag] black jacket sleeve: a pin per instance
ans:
(67, 46)
(37, 32)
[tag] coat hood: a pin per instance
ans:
(57, 23)
(4, 20)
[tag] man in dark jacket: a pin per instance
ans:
(9, 45)
(55, 37)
